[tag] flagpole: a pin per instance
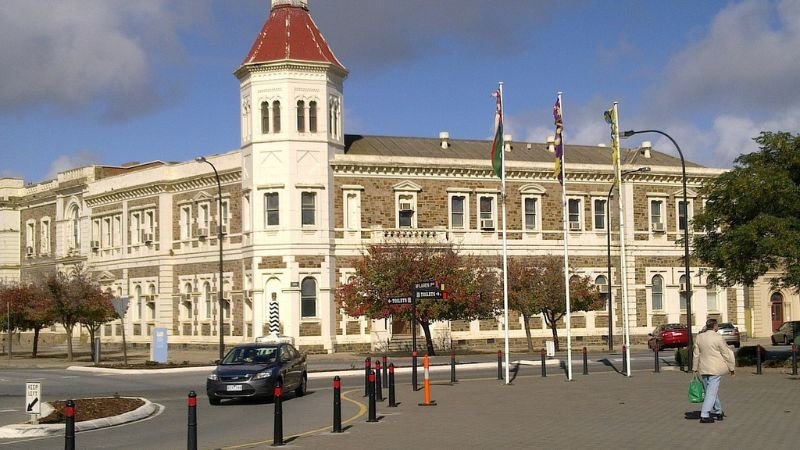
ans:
(564, 217)
(623, 269)
(505, 244)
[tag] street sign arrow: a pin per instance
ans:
(31, 405)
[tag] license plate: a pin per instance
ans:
(234, 387)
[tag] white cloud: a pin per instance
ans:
(95, 55)
(61, 163)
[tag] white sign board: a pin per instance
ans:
(33, 398)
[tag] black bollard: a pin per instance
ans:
(277, 436)
(378, 385)
(69, 434)
(367, 367)
(499, 364)
(414, 370)
(758, 360)
(453, 367)
(385, 370)
(337, 404)
(585, 362)
(191, 438)
(656, 367)
(392, 402)
(544, 366)
(373, 416)
(794, 359)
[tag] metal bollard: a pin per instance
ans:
(499, 364)
(414, 370)
(373, 415)
(191, 438)
(585, 362)
(453, 367)
(392, 402)
(385, 370)
(656, 367)
(277, 435)
(544, 366)
(367, 367)
(69, 434)
(794, 359)
(378, 385)
(758, 360)
(337, 404)
(625, 359)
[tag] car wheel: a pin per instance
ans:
(214, 400)
(303, 387)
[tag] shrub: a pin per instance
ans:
(746, 356)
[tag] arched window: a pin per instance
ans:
(301, 116)
(308, 298)
(602, 283)
(264, 117)
(657, 301)
(682, 292)
(151, 304)
(207, 298)
(139, 301)
(276, 116)
(312, 117)
(74, 231)
(186, 302)
(226, 302)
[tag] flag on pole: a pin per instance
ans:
(497, 144)
(611, 119)
(559, 145)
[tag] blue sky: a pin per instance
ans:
(115, 81)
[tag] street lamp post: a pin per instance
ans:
(688, 291)
(220, 235)
(609, 297)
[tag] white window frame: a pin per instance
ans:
(682, 298)
(44, 236)
(487, 215)
(204, 215)
(267, 195)
(662, 215)
(570, 214)
(604, 213)
(30, 234)
(116, 232)
(405, 197)
(224, 214)
(313, 195)
(712, 297)
(107, 227)
(689, 213)
(351, 200)
(186, 222)
(137, 219)
(653, 292)
(464, 214)
(537, 212)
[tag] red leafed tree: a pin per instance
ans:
(536, 286)
(37, 312)
(390, 269)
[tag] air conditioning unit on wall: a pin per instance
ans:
(487, 224)
(28, 251)
(406, 206)
(202, 232)
(658, 227)
(574, 226)
(147, 238)
(95, 245)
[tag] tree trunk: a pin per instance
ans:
(69, 342)
(426, 327)
(527, 321)
(36, 330)
(10, 336)
(555, 335)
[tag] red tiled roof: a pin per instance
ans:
(290, 34)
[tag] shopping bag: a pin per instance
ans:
(697, 391)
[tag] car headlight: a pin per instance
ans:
(213, 377)
(261, 375)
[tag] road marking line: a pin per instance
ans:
(8, 410)
(362, 410)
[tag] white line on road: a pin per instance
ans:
(8, 410)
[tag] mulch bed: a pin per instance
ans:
(93, 408)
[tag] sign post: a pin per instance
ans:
(33, 400)
(120, 306)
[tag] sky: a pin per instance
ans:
(116, 81)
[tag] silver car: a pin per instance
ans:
(730, 332)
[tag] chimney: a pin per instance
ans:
(444, 138)
(507, 138)
(551, 144)
(644, 149)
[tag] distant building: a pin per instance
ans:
(301, 198)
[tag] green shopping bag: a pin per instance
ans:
(697, 391)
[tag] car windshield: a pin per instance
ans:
(674, 326)
(250, 355)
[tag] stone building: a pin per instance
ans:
(300, 199)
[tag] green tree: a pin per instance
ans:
(536, 286)
(751, 220)
(389, 270)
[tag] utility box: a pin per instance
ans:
(158, 349)
(550, 346)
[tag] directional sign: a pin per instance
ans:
(33, 392)
(120, 305)
(428, 294)
(425, 286)
(400, 300)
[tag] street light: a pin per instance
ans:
(220, 235)
(688, 291)
(610, 297)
